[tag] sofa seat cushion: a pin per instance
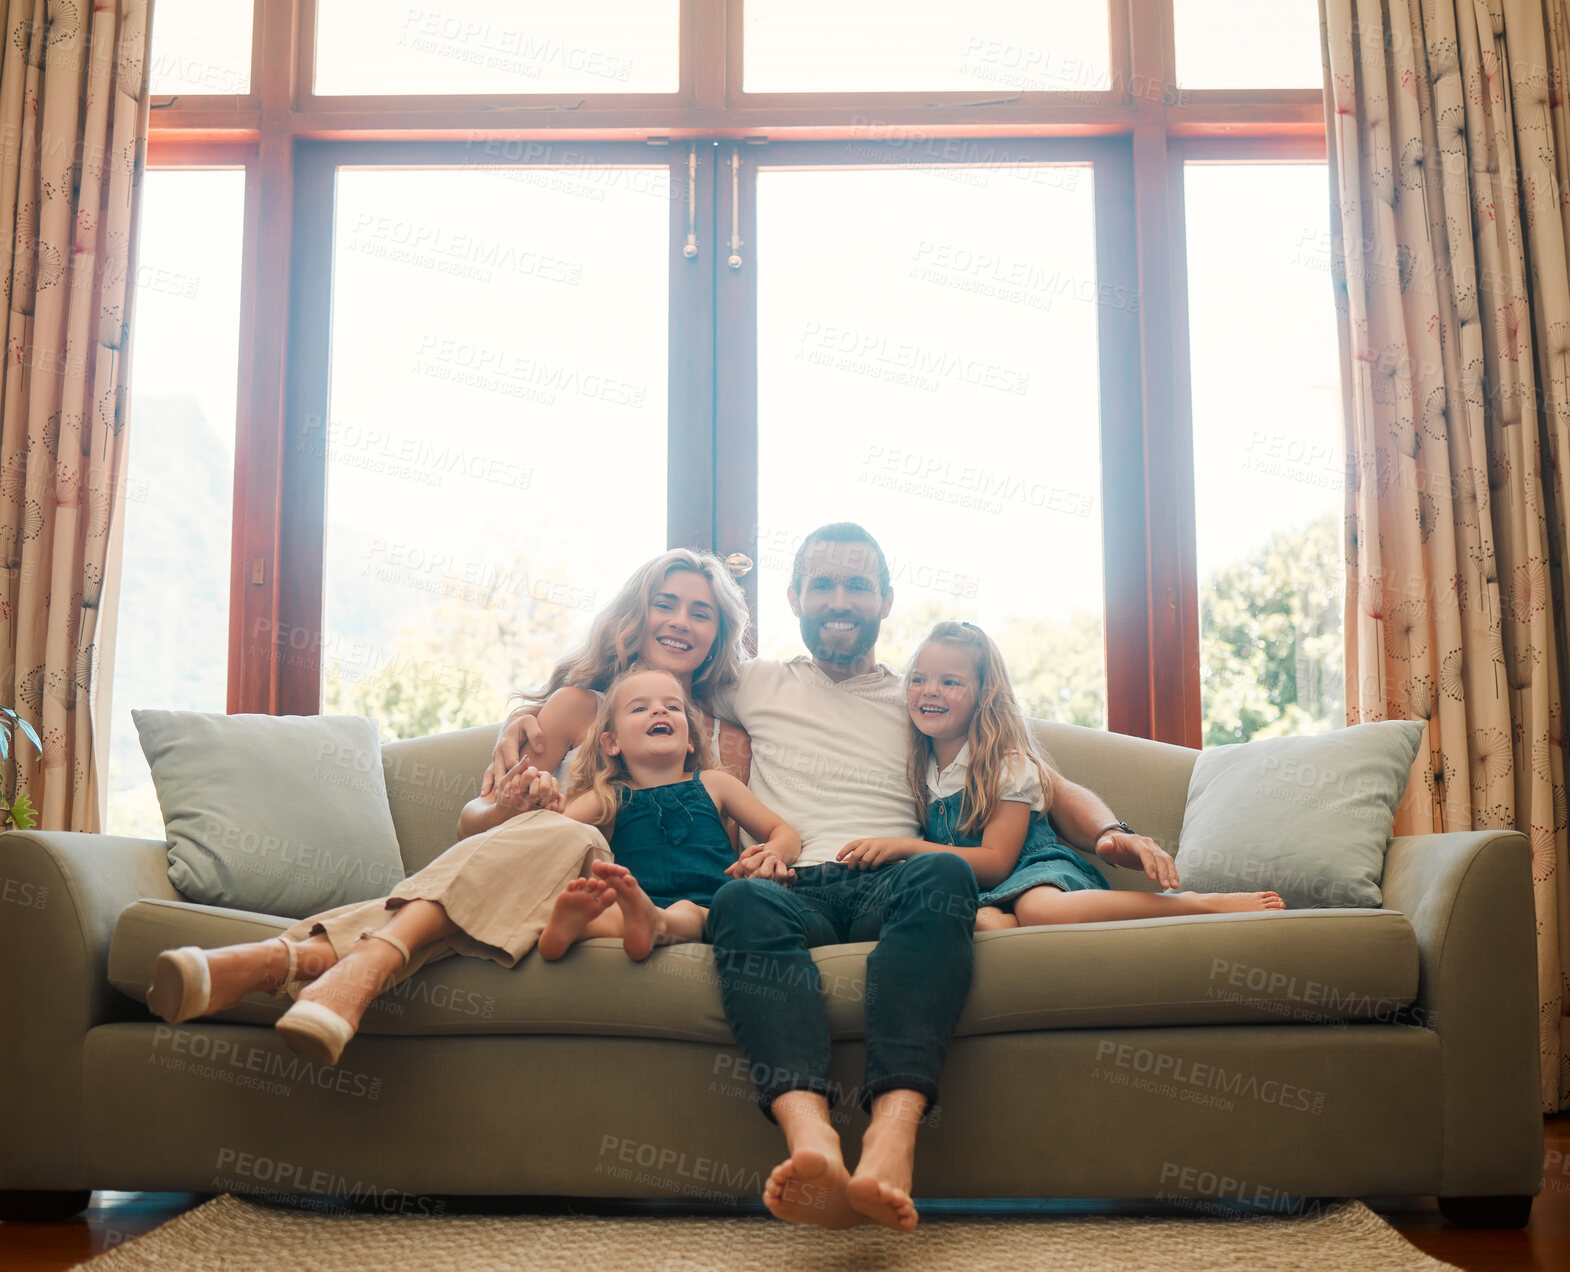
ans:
(1309, 967)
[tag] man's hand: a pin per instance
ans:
(758, 862)
(1139, 852)
(864, 854)
(518, 737)
(525, 788)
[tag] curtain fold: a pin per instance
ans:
(73, 134)
(1449, 151)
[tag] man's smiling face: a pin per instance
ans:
(839, 602)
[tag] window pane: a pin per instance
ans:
(201, 46)
(1247, 43)
(172, 631)
(1268, 453)
(496, 444)
(497, 46)
(929, 369)
(886, 46)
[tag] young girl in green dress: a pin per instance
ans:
(645, 779)
(987, 794)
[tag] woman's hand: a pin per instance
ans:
(512, 743)
(864, 854)
(758, 862)
(1139, 852)
(525, 788)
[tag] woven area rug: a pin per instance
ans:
(228, 1234)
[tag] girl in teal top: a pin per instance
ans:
(644, 778)
(985, 792)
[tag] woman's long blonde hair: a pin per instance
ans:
(997, 732)
(596, 771)
(618, 630)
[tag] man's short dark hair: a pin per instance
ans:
(839, 532)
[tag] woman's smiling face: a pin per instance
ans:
(683, 624)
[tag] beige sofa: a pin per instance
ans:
(1262, 1058)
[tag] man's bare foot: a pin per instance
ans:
(809, 1187)
(880, 1188)
(989, 918)
(882, 1203)
(642, 922)
(1235, 902)
(583, 901)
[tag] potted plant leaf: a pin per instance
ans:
(19, 813)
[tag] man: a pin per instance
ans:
(830, 735)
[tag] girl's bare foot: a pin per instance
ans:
(642, 922)
(1235, 902)
(989, 918)
(583, 901)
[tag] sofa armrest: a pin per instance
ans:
(60, 894)
(1468, 896)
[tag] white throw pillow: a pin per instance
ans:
(1308, 817)
(281, 815)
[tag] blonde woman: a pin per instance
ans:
(491, 894)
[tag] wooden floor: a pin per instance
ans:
(1543, 1246)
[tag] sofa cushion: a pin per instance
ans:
(1307, 816)
(286, 814)
(1306, 967)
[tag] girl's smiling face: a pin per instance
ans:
(649, 719)
(942, 690)
(682, 624)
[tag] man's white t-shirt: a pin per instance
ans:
(829, 757)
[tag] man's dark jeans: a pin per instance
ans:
(921, 912)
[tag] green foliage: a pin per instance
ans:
(20, 812)
(1271, 653)
(1058, 668)
(10, 721)
(454, 664)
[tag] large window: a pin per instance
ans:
(534, 290)
(495, 444)
(201, 47)
(172, 631)
(1268, 458)
(931, 372)
(496, 46)
(1238, 44)
(862, 46)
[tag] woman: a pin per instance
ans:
(489, 895)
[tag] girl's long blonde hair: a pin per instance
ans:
(618, 630)
(998, 732)
(596, 771)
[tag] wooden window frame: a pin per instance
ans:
(280, 131)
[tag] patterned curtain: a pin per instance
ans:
(73, 132)
(1449, 140)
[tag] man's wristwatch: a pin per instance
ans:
(1124, 827)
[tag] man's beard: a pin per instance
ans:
(866, 638)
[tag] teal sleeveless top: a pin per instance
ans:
(673, 840)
